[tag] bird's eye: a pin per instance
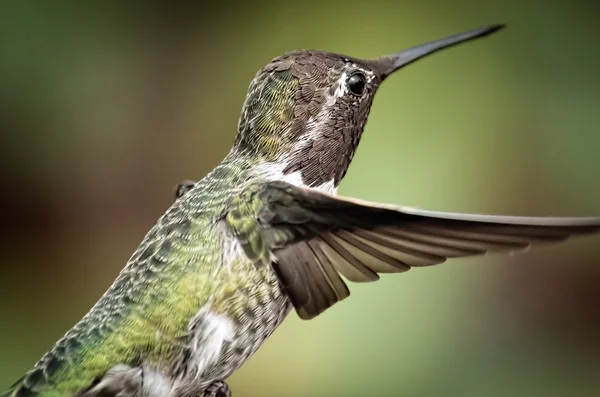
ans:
(356, 83)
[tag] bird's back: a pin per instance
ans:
(145, 314)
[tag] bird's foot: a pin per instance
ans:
(217, 389)
(183, 187)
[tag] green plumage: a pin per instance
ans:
(241, 219)
(265, 127)
(145, 315)
(167, 278)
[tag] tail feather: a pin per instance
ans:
(17, 390)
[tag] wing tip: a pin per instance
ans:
(589, 224)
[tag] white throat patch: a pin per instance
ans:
(274, 172)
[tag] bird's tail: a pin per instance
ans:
(17, 390)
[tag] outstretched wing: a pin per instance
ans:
(316, 238)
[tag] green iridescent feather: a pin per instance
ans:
(144, 316)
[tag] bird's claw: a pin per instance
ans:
(217, 389)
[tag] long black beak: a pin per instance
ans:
(388, 64)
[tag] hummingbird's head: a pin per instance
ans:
(305, 111)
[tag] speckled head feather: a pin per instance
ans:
(306, 110)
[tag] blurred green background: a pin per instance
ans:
(104, 108)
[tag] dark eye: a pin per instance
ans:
(356, 83)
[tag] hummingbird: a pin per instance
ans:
(265, 234)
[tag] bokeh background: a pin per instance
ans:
(104, 108)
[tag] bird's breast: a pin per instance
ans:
(246, 307)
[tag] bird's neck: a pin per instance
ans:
(275, 170)
(278, 171)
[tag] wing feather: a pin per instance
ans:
(317, 238)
